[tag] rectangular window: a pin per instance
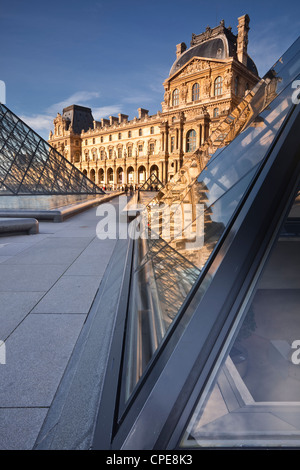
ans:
(172, 144)
(151, 148)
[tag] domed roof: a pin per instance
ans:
(216, 48)
(216, 43)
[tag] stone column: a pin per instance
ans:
(200, 136)
(105, 173)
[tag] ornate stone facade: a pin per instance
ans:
(206, 82)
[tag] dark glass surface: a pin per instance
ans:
(253, 398)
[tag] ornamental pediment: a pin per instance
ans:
(196, 65)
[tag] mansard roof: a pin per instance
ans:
(216, 43)
(79, 118)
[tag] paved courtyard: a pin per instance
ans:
(48, 283)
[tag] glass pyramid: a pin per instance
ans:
(197, 208)
(153, 183)
(30, 166)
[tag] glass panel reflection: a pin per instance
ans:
(255, 398)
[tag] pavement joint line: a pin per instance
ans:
(31, 311)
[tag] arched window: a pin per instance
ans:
(175, 97)
(195, 92)
(110, 175)
(191, 141)
(216, 112)
(152, 130)
(100, 176)
(142, 174)
(218, 86)
(154, 170)
(236, 85)
(119, 136)
(130, 173)
(140, 132)
(92, 175)
(120, 174)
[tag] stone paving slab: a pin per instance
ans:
(48, 282)
(19, 427)
(14, 278)
(71, 294)
(52, 251)
(11, 249)
(36, 356)
(14, 308)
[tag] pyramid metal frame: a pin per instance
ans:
(152, 181)
(30, 166)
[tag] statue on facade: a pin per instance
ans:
(228, 79)
(207, 86)
(184, 92)
(167, 97)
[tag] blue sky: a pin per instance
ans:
(114, 55)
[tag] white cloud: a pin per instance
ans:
(39, 122)
(80, 98)
(106, 111)
(44, 121)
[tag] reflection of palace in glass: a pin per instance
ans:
(214, 322)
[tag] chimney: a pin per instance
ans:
(104, 122)
(113, 120)
(180, 48)
(122, 118)
(142, 113)
(242, 38)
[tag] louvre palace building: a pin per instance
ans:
(206, 82)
